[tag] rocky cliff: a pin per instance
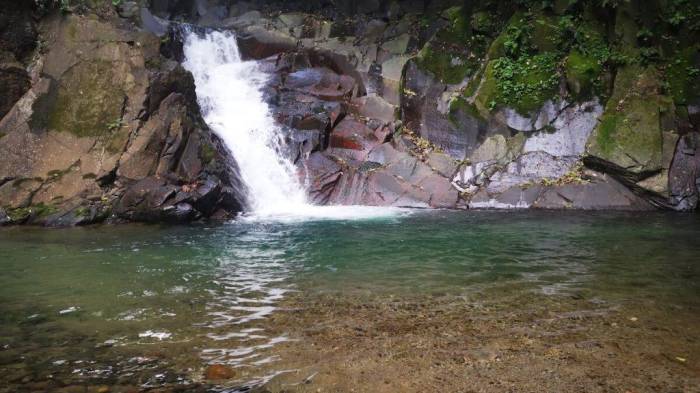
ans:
(566, 104)
(103, 127)
(487, 104)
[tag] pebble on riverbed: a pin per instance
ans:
(219, 371)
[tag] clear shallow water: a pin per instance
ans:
(147, 306)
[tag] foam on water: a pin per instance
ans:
(229, 92)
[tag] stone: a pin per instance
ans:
(128, 9)
(629, 135)
(684, 174)
(256, 42)
(99, 132)
(322, 83)
(352, 139)
(152, 23)
(219, 372)
(374, 107)
(442, 163)
(602, 193)
(321, 174)
(14, 82)
(571, 129)
(18, 31)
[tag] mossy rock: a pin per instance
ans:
(683, 75)
(497, 47)
(545, 33)
(582, 72)
(447, 66)
(629, 133)
(455, 52)
(486, 95)
(483, 22)
(89, 98)
(206, 153)
(461, 105)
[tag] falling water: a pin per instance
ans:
(229, 92)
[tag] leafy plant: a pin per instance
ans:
(115, 125)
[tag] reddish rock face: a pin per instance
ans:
(322, 83)
(353, 139)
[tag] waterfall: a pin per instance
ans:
(230, 97)
(229, 92)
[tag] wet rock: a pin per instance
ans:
(14, 82)
(353, 139)
(128, 9)
(457, 133)
(218, 372)
(152, 23)
(322, 83)
(321, 174)
(601, 193)
(258, 43)
(629, 138)
(684, 174)
(375, 107)
(18, 32)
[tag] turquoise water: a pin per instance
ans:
(150, 306)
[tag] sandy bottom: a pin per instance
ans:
(531, 343)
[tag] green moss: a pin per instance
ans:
(483, 22)
(527, 82)
(683, 76)
(546, 34)
(456, 51)
(629, 134)
(446, 66)
(20, 182)
(206, 153)
(88, 99)
(582, 73)
(486, 96)
(39, 210)
(606, 132)
(460, 104)
(18, 214)
(88, 176)
(82, 212)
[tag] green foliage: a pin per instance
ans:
(527, 82)
(115, 124)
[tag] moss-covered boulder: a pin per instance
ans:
(629, 134)
(89, 100)
(457, 49)
(582, 71)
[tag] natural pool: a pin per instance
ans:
(417, 301)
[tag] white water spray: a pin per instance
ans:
(230, 97)
(229, 93)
